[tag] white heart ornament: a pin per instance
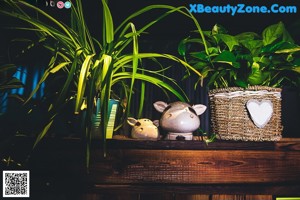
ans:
(260, 111)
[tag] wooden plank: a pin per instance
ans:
(187, 145)
(204, 189)
(63, 144)
(256, 197)
(119, 196)
(242, 197)
(290, 144)
(116, 196)
(195, 166)
(191, 197)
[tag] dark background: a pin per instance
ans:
(174, 27)
(165, 35)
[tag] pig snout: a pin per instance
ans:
(180, 121)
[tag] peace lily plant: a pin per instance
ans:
(96, 69)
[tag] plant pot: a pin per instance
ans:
(112, 110)
(251, 114)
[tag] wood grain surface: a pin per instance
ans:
(166, 169)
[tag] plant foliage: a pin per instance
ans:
(92, 68)
(7, 83)
(271, 58)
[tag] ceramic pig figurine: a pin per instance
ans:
(143, 129)
(179, 119)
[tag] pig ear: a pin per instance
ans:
(156, 123)
(160, 106)
(131, 121)
(199, 108)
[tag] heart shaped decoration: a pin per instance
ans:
(260, 111)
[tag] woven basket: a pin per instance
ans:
(231, 119)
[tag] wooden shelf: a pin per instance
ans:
(168, 167)
(228, 167)
(194, 162)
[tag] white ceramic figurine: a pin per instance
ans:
(143, 129)
(179, 119)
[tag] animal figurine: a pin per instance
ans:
(179, 119)
(143, 129)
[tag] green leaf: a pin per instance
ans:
(229, 40)
(281, 46)
(247, 36)
(11, 84)
(153, 80)
(275, 32)
(109, 26)
(296, 62)
(288, 50)
(228, 58)
(257, 76)
(213, 79)
(253, 46)
(262, 61)
(213, 51)
(16, 96)
(182, 47)
(200, 55)
(205, 71)
(14, 81)
(82, 81)
(70, 78)
(296, 69)
(241, 83)
(218, 29)
(8, 67)
(43, 133)
(201, 65)
(58, 67)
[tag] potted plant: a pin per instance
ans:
(91, 68)
(245, 73)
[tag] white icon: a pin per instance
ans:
(52, 3)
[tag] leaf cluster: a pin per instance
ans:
(270, 59)
(8, 82)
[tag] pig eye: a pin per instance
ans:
(141, 129)
(170, 115)
(138, 124)
(192, 110)
(166, 109)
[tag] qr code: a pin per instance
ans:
(16, 183)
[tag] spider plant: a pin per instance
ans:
(97, 68)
